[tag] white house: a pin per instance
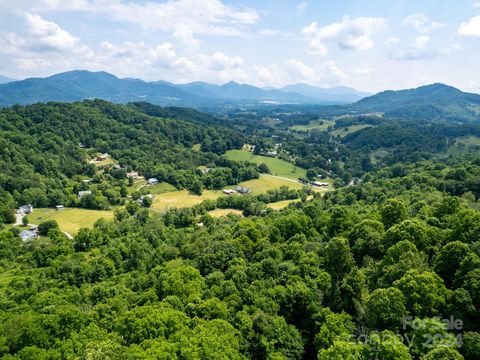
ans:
(84, 193)
(59, 207)
(229, 191)
(132, 174)
(102, 157)
(25, 209)
(318, 183)
(152, 181)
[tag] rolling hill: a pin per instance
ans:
(79, 85)
(430, 102)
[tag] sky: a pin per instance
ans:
(371, 45)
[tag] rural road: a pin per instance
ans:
(283, 178)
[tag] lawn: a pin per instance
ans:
(103, 163)
(184, 198)
(268, 182)
(314, 124)
(160, 188)
(70, 219)
(224, 212)
(279, 205)
(278, 167)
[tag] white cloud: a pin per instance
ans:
(470, 28)
(183, 18)
(349, 34)
(42, 43)
(295, 71)
(420, 42)
(391, 41)
(476, 3)
(331, 74)
(363, 71)
(271, 75)
(422, 23)
(269, 32)
(144, 57)
(219, 61)
(300, 8)
(300, 71)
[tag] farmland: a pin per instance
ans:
(70, 219)
(315, 124)
(278, 167)
(185, 199)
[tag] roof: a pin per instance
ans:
(26, 235)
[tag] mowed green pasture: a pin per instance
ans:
(278, 167)
(184, 198)
(70, 219)
(224, 212)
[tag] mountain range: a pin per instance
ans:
(431, 102)
(5, 79)
(81, 84)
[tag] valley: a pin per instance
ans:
(232, 223)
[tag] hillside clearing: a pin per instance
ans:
(184, 198)
(314, 124)
(70, 219)
(278, 167)
(224, 212)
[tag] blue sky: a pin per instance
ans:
(370, 45)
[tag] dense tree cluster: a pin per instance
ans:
(45, 151)
(385, 261)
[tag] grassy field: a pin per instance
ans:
(314, 124)
(160, 188)
(184, 198)
(70, 219)
(224, 212)
(279, 205)
(267, 182)
(103, 163)
(277, 167)
(468, 141)
(344, 131)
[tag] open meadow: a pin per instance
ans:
(184, 198)
(278, 167)
(70, 219)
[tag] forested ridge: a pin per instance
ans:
(387, 266)
(301, 283)
(45, 151)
